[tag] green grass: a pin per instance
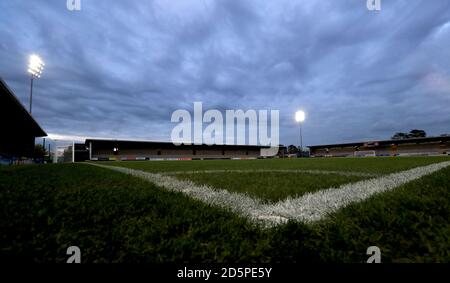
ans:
(377, 165)
(113, 217)
(270, 186)
(408, 224)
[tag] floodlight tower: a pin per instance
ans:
(299, 118)
(35, 68)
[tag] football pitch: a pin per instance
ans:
(274, 210)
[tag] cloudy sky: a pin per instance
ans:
(119, 68)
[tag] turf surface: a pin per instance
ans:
(270, 186)
(377, 165)
(113, 217)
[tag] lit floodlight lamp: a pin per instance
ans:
(300, 116)
(35, 68)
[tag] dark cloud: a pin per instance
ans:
(120, 68)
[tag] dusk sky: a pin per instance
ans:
(118, 69)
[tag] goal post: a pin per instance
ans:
(61, 151)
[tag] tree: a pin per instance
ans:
(39, 151)
(417, 134)
(412, 134)
(292, 149)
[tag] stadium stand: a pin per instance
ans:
(18, 127)
(101, 149)
(404, 147)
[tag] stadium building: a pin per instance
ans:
(18, 127)
(403, 147)
(103, 149)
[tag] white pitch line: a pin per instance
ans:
(307, 208)
(236, 202)
(315, 206)
(298, 171)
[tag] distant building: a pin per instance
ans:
(404, 147)
(18, 128)
(101, 149)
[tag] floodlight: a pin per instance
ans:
(300, 116)
(36, 66)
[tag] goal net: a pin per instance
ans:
(364, 153)
(59, 151)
